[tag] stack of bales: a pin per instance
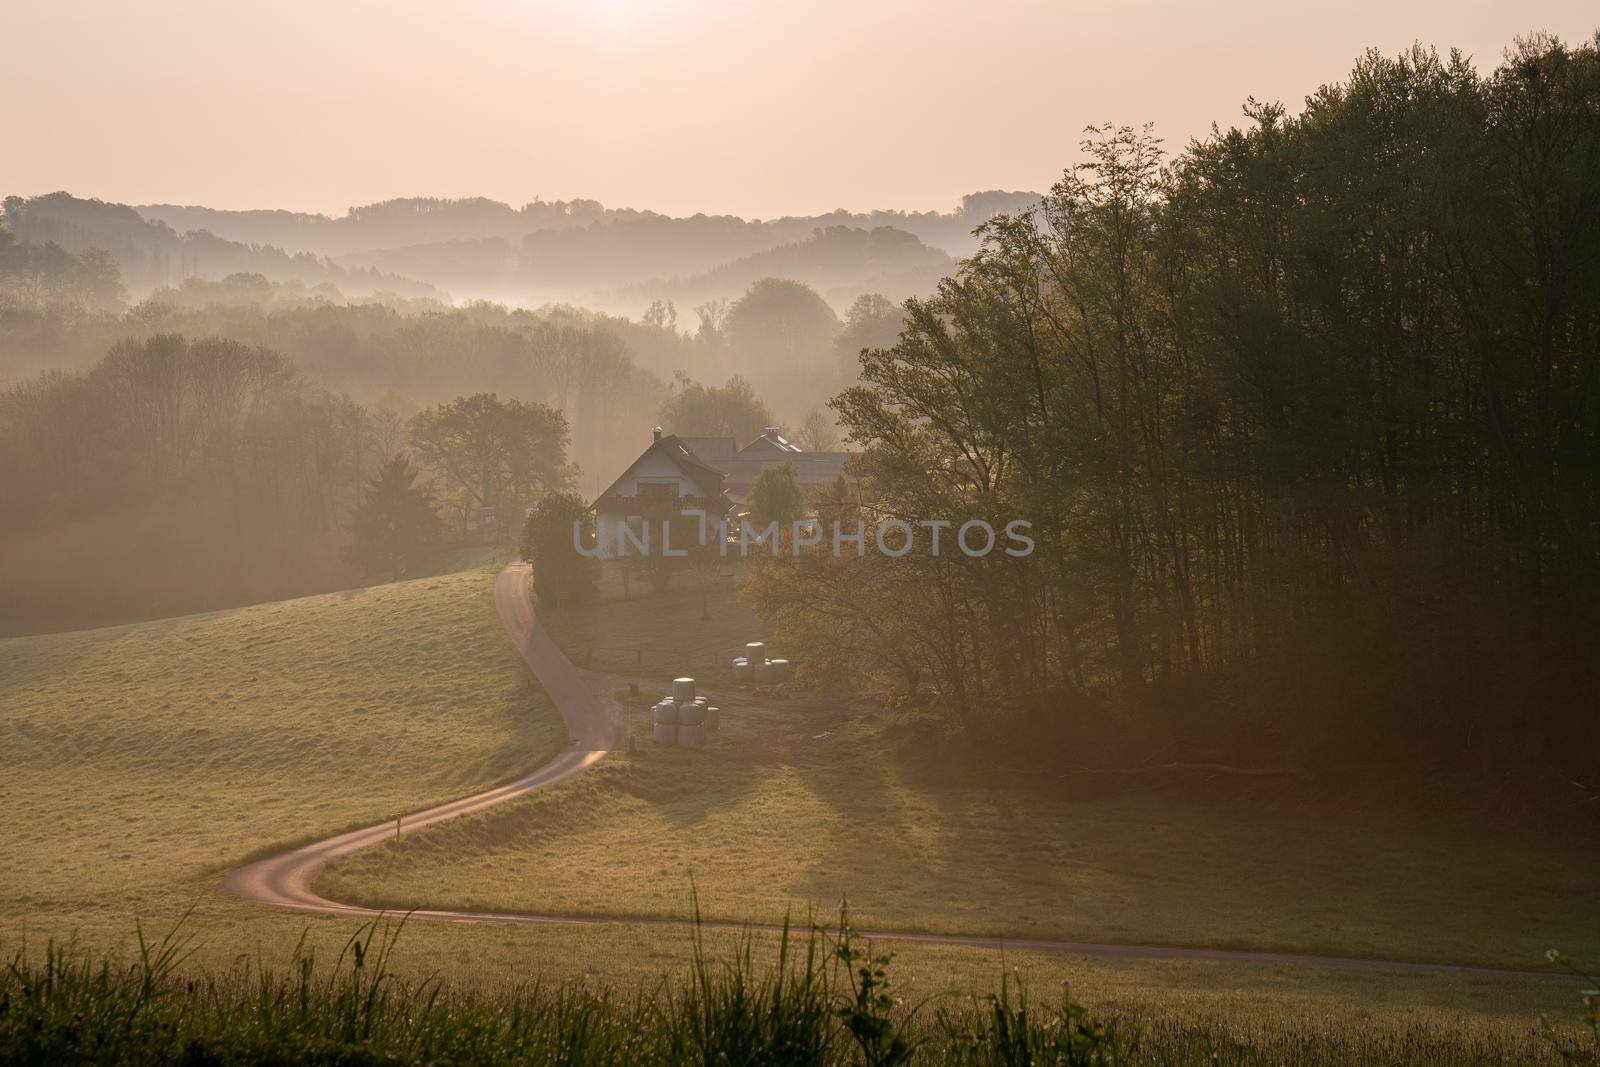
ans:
(683, 718)
(754, 666)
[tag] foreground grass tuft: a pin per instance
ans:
(826, 999)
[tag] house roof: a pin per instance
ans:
(812, 468)
(770, 443)
(706, 478)
(711, 449)
(725, 471)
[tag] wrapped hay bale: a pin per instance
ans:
(780, 669)
(713, 718)
(691, 715)
(756, 652)
(666, 714)
(666, 733)
(690, 736)
(741, 670)
(683, 690)
(763, 671)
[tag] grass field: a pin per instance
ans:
(138, 763)
(806, 1006)
(794, 806)
(135, 760)
(770, 819)
(658, 635)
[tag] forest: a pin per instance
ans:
(1305, 419)
(1303, 416)
(221, 432)
(617, 260)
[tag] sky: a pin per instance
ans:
(751, 107)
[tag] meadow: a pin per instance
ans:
(632, 630)
(137, 760)
(798, 803)
(138, 763)
(816, 998)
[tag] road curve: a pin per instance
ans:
(285, 880)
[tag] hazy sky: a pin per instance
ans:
(755, 107)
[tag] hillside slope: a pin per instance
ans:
(137, 760)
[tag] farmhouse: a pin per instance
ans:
(711, 474)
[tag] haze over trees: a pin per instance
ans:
(730, 410)
(492, 453)
(394, 525)
(780, 332)
(561, 574)
(175, 474)
(152, 253)
(1304, 423)
(618, 259)
(38, 278)
(840, 261)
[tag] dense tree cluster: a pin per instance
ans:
(494, 454)
(731, 410)
(1305, 423)
(395, 524)
(151, 253)
(38, 277)
(178, 474)
(559, 526)
(392, 355)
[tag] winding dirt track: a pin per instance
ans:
(285, 880)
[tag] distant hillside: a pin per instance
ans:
(568, 250)
(841, 261)
(421, 221)
(389, 224)
(152, 253)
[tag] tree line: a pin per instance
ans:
(1305, 423)
(177, 474)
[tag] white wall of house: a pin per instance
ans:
(654, 469)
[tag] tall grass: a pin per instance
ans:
(826, 999)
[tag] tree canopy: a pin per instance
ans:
(489, 452)
(551, 537)
(1305, 423)
(781, 333)
(731, 410)
(394, 524)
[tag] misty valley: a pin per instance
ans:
(1141, 612)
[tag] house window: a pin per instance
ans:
(658, 490)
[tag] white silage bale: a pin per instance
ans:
(683, 690)
(690, 736)
(666, 734)
(667, 714)
(756, 651)
(780, 668)
(713, 718)
(741, 672)
(691, 715)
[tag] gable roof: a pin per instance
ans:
(726, 473)
(770, 443)
(706, 478)
(811, 468)
(711, 448)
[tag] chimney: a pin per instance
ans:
(658, 433)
